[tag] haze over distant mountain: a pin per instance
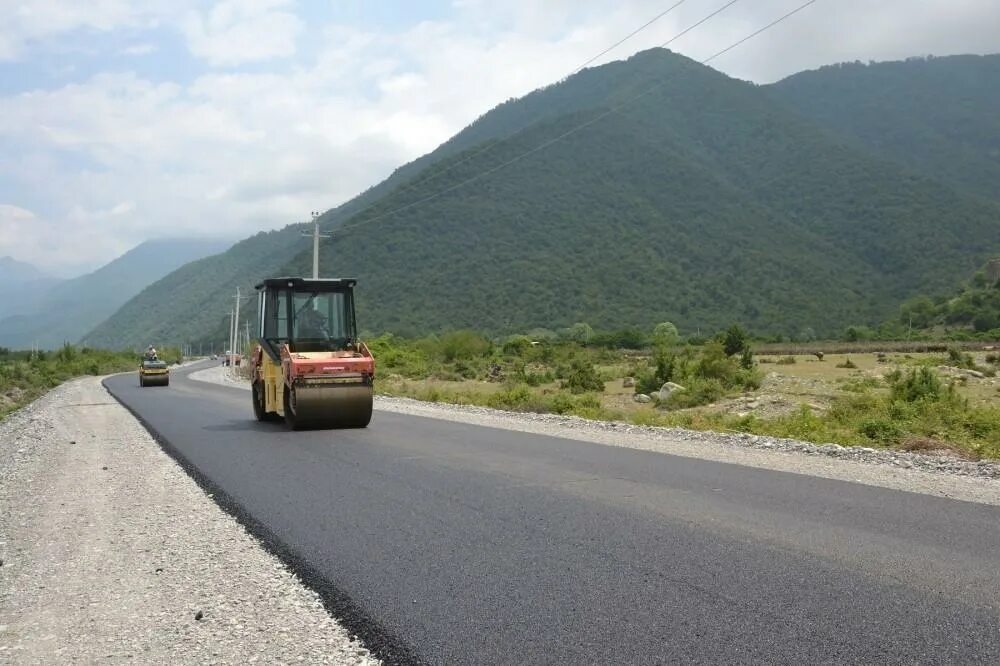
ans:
(67, 310)
(13, 271)
(687, 196)
(23, 283)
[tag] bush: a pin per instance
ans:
(515, 398)
(464, 345)
(917, 384)
(698, 391)
(883, 431)
(848, 364)
(734, 340)
(583, 378)
(517, 345)
(960, 359)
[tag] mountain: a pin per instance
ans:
(13, 271)
(686, 196)
(69, 309)
(937, 116)
(24, 285)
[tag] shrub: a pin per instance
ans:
(917, 384)
(883, 431)
(464, 345)
(860, 385)
(517, 398)
(697, 391)
(517, 345)
(848, 364)
(582, 378)
(960, 359)
(734, 340)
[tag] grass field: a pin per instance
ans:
(849, 399)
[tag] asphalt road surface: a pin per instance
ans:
(447, 543)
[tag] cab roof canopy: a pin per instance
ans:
(307, 284)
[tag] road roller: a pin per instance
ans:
(309, 368)
(153, 372)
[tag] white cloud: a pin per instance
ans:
(241, 31)
(140, 49)
(25, 23)
(54, 245)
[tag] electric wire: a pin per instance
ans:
(578, 128)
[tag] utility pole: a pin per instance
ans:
(316, 235)
(236, 329)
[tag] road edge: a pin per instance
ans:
(380, 642)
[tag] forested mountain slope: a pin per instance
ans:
(937, 116)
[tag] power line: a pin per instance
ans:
(754, 34)
(630, 35)
(695, 25)
(491, 145)
(582, 126)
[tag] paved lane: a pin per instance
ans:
(478, 545)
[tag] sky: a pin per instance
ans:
(123, 121)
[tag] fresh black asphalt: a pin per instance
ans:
(447, 543)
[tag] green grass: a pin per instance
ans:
(911, 407)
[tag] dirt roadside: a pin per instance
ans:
(111, 553)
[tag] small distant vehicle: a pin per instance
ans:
(229, 358)
(153, 372)
(309, 368)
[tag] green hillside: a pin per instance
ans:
(937, 116)
(707, 201)
(975, 306)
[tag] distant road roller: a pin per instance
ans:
(309, 367)
(153, 372)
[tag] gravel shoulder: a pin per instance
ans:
(941, 476)
(110, 552)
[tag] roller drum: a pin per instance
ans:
(332, 406)
(156, 380)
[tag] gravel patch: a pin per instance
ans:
(109, 552)
(943, 476)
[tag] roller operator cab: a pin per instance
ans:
(309, 367)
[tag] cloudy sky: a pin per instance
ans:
(122, 121)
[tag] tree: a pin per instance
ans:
(665, 334)
(735, 340)
(579, 332)
(918, 312)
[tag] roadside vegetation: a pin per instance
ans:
(946, 401)
(25, 375)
